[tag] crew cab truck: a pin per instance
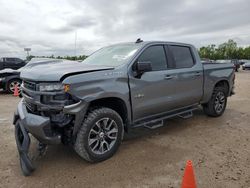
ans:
(90, 104)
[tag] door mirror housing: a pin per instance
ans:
(142, 67)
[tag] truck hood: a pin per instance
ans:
(57, 70)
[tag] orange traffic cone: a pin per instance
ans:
(16, 93)
(188, 178)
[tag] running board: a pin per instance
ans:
(154, 125)
(186, 115)
(158, 122)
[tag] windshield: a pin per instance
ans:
(113, 55)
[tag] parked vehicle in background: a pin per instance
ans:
(90, 104)
(10, 78)
(246, 65)
(206, 60)
(11, 63)
(242, 61)
(234, 62)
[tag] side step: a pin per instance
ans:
(154, 125)
(155, 122)
(186, 115)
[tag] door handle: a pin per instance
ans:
(197, 74)
(169, 77)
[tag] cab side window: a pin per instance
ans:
(155, 55)
(182, 56)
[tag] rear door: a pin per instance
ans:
(153, 92)
(188, 75)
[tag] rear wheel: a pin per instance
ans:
(11, 85)
(100, 135)
(217, 104)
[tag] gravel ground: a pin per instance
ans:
(218, 147)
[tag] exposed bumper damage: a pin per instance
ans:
(40, 127)
(36, 125)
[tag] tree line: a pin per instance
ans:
(75, 58)
(226, 50)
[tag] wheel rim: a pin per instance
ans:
(13, 84)
(219, 102)
(103, 136)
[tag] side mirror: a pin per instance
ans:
(142, 67)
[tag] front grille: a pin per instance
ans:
(29, 85)
(47, 131)
(30, 106)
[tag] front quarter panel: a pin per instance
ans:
(99, 85)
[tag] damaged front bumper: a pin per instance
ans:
(26, 123)
(40, 127)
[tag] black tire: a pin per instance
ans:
(26, 170)
(10, 83)
(210, 107)
(82, 145)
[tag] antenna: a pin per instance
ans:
(139, 40)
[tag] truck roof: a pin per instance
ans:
(143, 43)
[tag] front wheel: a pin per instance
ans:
(100, 135)
(217, 104)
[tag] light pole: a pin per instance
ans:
(75, 43)
(27, 50)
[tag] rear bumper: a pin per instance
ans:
(38, 126)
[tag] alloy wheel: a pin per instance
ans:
(219, 102)
(103, 136)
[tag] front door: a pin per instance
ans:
(153, 92)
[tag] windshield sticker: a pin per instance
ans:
(120, 57)
(123, 57)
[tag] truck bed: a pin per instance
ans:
(215, 72)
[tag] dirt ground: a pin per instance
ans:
(218, 147)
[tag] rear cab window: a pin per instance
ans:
(182, 56)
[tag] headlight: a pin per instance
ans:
(50, 87)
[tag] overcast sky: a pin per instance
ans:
(49, 26)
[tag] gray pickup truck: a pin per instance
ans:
(90, 104)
